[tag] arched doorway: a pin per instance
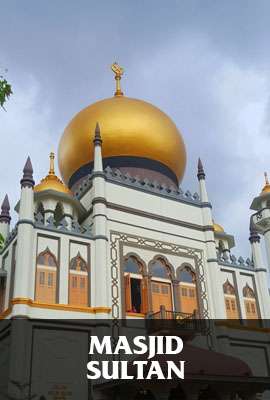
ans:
(136, 285)
(188, 290)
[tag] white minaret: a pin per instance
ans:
(99, 203)
(261, 219)
(24, 276)
(5, 218)
(216, 302)
(261, 272)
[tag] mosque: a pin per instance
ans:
(118, 238)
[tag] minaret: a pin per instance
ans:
(215, 300)
(201, 178)
(261, 272)
(5, 218)
(261, 219)
(25, 269)
(100, 225)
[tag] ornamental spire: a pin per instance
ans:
(201, 173)
(5, 208)
(266, 188)
(118, 71)
(27, 179)
(52, 171)
(97, 139)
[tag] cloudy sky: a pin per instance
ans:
(205, 63)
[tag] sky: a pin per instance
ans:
(205, 63)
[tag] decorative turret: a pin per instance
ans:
(261, 219)
(261, 271)
(27, 179)
(201, 178)
(200, 174)
(23, 285)
(100, 223)
(5, 218)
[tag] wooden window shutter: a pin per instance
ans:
(128, 293)
(144, 295)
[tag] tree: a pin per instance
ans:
(1, 241)
(5, 91)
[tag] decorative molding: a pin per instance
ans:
(118, 239)
(154, 187)
(63, 307)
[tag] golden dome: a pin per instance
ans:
(218, 228)
(130, 128)
(266, 188)
(51, 181)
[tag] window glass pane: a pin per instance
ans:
(247, 307)
(41, 278)
(227, 305)
(186, 276)
(50, 279)
(159, 270)
(132, 265)
(191, 292)
(155, 287)
(184, 291)
(164, 289)
(82, 283)
(74, 281)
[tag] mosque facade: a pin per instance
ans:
(119, 239)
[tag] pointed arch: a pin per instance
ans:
(79, 281)
(228, 288)
(134, 264)
(230, 299)
(188, 290)
(46, 277)
(250, 302)
(160, 267)
(248, 292)
(162, 275)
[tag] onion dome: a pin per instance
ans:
(266, 188)
(51, 181)
(218, 228)
(137, 138)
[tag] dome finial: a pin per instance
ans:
(118, 71)
(266, 178)
(51, 171)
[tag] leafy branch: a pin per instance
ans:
(5, 91)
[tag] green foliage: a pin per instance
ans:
(5, 91)
(1, 241)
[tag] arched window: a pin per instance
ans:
(187, 275)
(250, 303)
(161, 287)
(188, 290)
(78, 282)
(46, 277)
(136, 285)
(40, 210)
(58, 214)
(231, 304)
(160, 269)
